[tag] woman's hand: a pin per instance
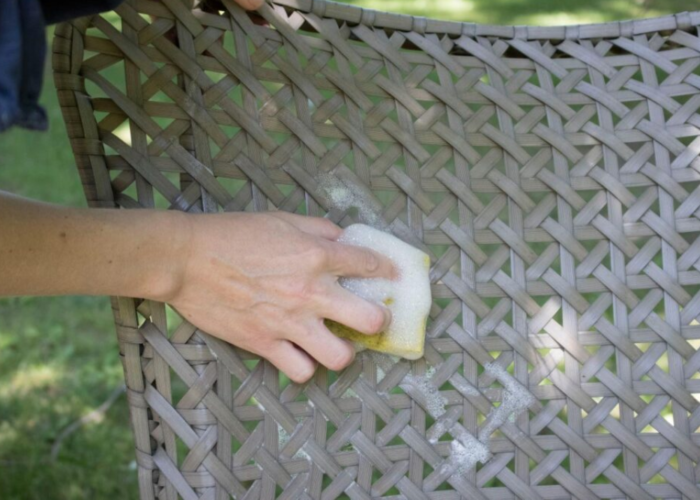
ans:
(266, 281)
(250, 4)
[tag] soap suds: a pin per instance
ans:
(343, 197)
(465, 388)
(516, 399)
(408, 297)
(439, 428)
(467, 451)
(434, 400)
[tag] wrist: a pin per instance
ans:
(171, 253)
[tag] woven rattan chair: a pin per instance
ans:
(552, 175)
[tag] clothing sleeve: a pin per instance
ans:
(56, 11)
(23, 50)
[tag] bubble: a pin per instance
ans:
(466, 450)
(465, 453)
(408, 297)
(516, 399)
(344, 197)
(434, 400)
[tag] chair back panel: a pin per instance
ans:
(551, 174)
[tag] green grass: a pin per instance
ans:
(537, 12)
(59, 359)
(58, 356)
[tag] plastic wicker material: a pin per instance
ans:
(552, 175)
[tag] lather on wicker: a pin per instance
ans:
(552, 175)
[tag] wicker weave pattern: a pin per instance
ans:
(550, 173)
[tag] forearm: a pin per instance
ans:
(265, 282)
(51, 250)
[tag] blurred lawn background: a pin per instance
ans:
(58, 355)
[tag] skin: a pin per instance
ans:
(250, 4)
(262, 281)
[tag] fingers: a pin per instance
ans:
(292, 361)
(331, 351)
(250, 4)
(346, 308)
(316, 226)
(353, 261)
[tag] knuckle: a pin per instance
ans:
(317, 256)
(327, 224)
(310, 290)
(302, 335)
(300, 290)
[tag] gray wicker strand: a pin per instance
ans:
(552, 175)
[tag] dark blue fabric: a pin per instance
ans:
(22, 53)
(56, 11)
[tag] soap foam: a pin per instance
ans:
(408, 297)
(439, 428)
(342, 197)
(516, 399)
(467, 451)
(434, 400)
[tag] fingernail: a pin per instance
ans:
(387, 319)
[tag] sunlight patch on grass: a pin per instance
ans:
(445, 9)
(30, 378)
(516, 12)
(566, 18)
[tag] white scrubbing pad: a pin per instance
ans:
(408, 297)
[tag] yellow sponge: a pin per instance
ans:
(408, 297)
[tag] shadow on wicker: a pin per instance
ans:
(550, 173)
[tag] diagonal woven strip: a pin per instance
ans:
(552, 175)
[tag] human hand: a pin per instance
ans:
(250, 4)
(266, 281)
